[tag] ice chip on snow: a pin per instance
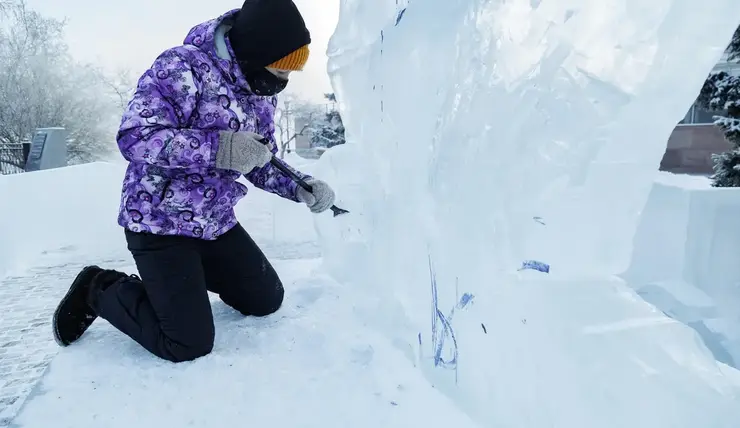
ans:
(535, 265)
(472, 117)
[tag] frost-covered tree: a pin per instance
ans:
(329, 131)
(721, 92)
(41, 85)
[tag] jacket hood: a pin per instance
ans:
(210, 37)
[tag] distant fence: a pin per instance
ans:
(13, 158)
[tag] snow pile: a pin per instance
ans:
(491, 141)
(55, 208)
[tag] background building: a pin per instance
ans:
(695, 138)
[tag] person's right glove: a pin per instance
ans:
(320, 199)
(242, 151)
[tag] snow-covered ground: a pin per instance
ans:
(311, 365)
(484, 135)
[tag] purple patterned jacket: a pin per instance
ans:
(169, 135)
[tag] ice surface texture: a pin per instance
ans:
(483, 134)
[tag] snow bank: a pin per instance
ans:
(46, 210)
(77, 206)
(686, 255)
(484, 134)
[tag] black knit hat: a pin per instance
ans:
(265, 31)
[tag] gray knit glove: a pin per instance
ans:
(320, 199)
(242, 151)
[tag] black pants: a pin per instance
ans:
(168, 311)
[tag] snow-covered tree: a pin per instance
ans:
(721, 92)
(41, 85)
(329, 131)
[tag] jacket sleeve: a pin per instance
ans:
(273, 180)
(155, 126)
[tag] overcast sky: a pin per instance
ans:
(130, 34)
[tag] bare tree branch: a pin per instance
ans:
(121, 85)
(285, 116)
(285, 144)
(6, 5)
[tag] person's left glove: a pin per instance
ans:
(320, 199)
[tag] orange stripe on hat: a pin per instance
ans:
(294, 61)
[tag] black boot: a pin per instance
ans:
(77, 310)
(73, 314)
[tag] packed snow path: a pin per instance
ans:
(26, 346)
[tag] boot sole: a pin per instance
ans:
(54, 323)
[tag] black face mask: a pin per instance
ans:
(263, 83)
